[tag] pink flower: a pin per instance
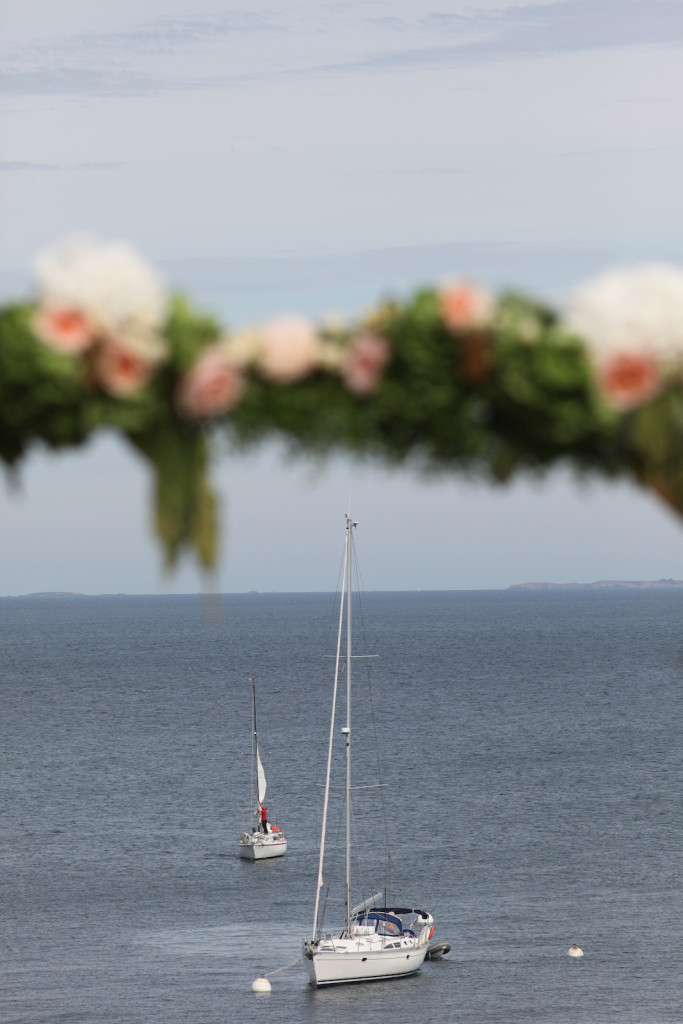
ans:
(629, 379)
(65, 329)
(120, 368)
(289, 349)
(465, 306)
(364, 363)
(212, 387)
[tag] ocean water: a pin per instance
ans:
(535, 768)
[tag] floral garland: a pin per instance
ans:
(454, 377)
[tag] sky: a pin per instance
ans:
(313, 157)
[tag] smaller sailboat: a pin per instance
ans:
(265, 839)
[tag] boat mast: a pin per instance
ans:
(252, 677)
(326, 799)
(347, 731)
(254, 739)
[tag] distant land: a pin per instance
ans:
(63, 593)
(598, 585)
(602, 585)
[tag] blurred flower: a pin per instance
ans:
(629, 379)
(105, 283)
(289, 349)
(364, 363)
(242, 348)
(465, 306)
(632, 323)
(637, 310)
(212, 387)
(67, 330)
(120, 368)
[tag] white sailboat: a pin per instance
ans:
(265, 839)
(376, 941)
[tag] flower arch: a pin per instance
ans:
(453, 377)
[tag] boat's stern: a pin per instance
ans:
(425, 927)
(260, 846)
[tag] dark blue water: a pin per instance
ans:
(533, 742)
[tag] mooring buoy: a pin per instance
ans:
(260, 985)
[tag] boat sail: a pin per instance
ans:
(265, 839)
(377, 941)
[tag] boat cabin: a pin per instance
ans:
(382, 923)
(391, 922)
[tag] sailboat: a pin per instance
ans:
(376, 941)
(265, 839)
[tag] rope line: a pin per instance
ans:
(278, 969)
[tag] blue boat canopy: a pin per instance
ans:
(385, 924)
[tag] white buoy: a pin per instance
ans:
(575, 951)
(260, 985)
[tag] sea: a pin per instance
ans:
(533, 782)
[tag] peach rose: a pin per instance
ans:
(64, 329)
(629, 379)
(465, 306)
(364, 363)
(120, 368)
(212, 387)
(289, 349)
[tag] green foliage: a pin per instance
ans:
(515, 394)
(184, 504)
(187, 332)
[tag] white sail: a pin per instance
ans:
(261, 775)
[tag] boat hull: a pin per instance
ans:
(262, 848)
(338, 968)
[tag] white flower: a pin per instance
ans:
(108, 283)
(635, 311)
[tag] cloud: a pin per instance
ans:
(83, 81)
(98, 165)
(19, 166)
(645, 99)
(12, 166)
(118, 63)
(533, 32)
(162, 37)
(434, 170)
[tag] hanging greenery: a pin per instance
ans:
(452, 377)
